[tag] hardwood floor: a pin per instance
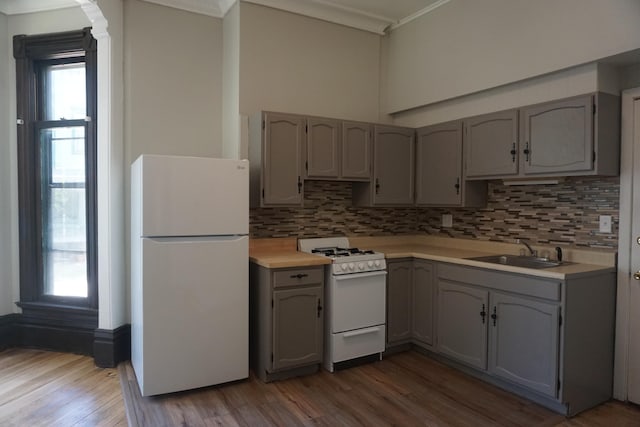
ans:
(43, 388)
(406, 389)
(39, 388)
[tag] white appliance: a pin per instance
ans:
(355, 300)
(189, 272)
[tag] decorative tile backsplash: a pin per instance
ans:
(564, 214)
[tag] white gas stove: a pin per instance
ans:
(355, 299)
(345, 259)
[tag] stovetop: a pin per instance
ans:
(345, 259)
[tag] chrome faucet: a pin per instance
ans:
(524, 242)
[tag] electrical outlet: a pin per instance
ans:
(605, 223)
(447, 220)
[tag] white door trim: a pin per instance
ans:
(621, 364)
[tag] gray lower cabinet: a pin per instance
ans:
(423, 307)
(399, 283)
(439, 180)
(462, 323)
(524, 336)
(287, 318)
(549, 340)
(276, 147)
(393, 169)
(410, 302)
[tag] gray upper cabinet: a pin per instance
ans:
(276, 147)
(439, 180)
(573, 136)
(558, 136)
(393, 169)
(323, 145)
(356, 151)
(491, 145)
(338, 150)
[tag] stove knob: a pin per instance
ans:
(361, 266)
(345, 267)
(370, 264)
(377, 263)
(351, 266)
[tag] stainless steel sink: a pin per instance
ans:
(519, 261)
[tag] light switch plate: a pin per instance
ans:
(447, 220)
(605, 223)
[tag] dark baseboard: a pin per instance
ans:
(65, 330)
(8, 331)
(111, 347)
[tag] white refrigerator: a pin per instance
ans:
(189, 272)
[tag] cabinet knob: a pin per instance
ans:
(513, 152)
(636, 275)
(457, 186)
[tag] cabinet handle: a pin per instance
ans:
(319, 308)
(377, 186)
(299, 185)
(298, 276)
(494, 316)
(513, 152)
(457, 186)
(483, 314)
(526, 151)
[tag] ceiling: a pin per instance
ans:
(376, 16)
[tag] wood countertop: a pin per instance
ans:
(282, 253)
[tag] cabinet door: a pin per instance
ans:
(439, 164)
(297, 327)
(423, 294)
(558, 136)
(399, 301)
(283, 138)
(393, 165)
(462, 323)
(323, 137)
(491, 145)
(356, 151)
(524, 342)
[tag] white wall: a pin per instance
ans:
(7, 240)
(173, 81)
(231, 86)
(292, 63)
(467, 46)
(566, 83)
(30, 24)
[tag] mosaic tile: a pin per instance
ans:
(565, 214)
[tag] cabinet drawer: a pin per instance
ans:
(359, 342)
(515, 283)
(307, 276)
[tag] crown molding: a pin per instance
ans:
(418, 14)
(15, 7)
(332, 12)
(215, 8)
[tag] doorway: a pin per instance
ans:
(627, 363)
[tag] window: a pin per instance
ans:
(56, 100)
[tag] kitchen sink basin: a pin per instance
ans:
(519, 261)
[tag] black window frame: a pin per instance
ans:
(32, 53)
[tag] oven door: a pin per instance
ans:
(357, 300)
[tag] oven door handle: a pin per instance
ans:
(365, 331)
(360, 275)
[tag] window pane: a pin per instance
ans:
(65, 93)
(64, 231)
